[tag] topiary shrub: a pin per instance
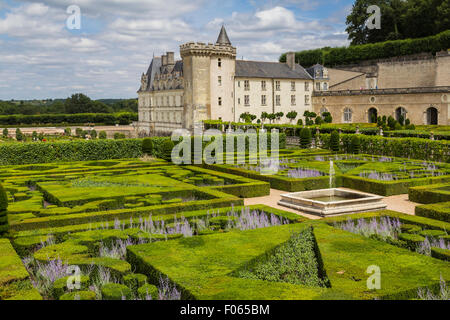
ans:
(412, 241)
(3, 216)
(3, 199)
(147, 146)
(148, 290)
(166, 150)
(334, 141)
(305, 138)
(102, 135)
(356, 144)
(78, 295)
(115, 291)
(134, 281)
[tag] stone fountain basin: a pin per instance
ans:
(332, 202)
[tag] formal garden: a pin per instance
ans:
(121, 218)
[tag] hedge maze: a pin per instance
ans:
(140, 229)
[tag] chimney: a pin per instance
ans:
(170, 58)
(164, 61)
(290, 60)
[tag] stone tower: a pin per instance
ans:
(208, 80)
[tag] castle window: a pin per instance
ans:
(264, 100)
(239, 84)
(220, 101)
(325, 86)
(247, 100)
(292, 85)
(247, 85)
(307, 100)
(220, 80)
(318, 86)
(293, 102)
(239, 100)
(219, 63)
(348, 115)
(278, 85)
(306, 86)
(278, 100)
(263, 85)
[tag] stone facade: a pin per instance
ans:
(421, 105)
(210, 84)
(417, 87)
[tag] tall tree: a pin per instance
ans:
(400, 19)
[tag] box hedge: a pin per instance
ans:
(430, 193)
(124, 118)
(371, 51)
(413, 148)
(438, 211)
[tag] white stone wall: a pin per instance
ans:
(255, 96)
(223, 90)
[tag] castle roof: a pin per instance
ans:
(223, 37)
(273, 70)
(153, 69)
(156, 68)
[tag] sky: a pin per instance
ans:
(40, 57)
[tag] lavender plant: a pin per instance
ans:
(300, 173)
(380, 176)
(425, 246)
(44, 275)
(443, 294)
(385, 227)
(167, 291)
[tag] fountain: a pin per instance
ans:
(332, 201)
(332, 173)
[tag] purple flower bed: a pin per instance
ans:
(301, 173)
(384, 227)
(380, 176)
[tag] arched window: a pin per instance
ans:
(373, 115)
(323, 110)
(432, 116)
(348, 115)
(400, 114)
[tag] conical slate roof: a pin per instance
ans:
(223, 37)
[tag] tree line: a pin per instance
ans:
(400, 19)
(77, 103)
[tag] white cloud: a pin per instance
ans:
(130, 8)
(107, 60)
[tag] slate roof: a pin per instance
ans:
(156, 68)
(223, 37)
(153, 69)
(273, 70)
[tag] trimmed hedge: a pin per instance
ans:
(3, 213)
(430, 194)
(381, 50)
(414, 148)
(439, 253)
(124, 118)
(388, 188)
(14, 278)
(279, 182)
(43, 152)
(444, 135)
(439, 211)
(221, 200)
(115, 291)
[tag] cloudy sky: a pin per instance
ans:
(41, 58)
